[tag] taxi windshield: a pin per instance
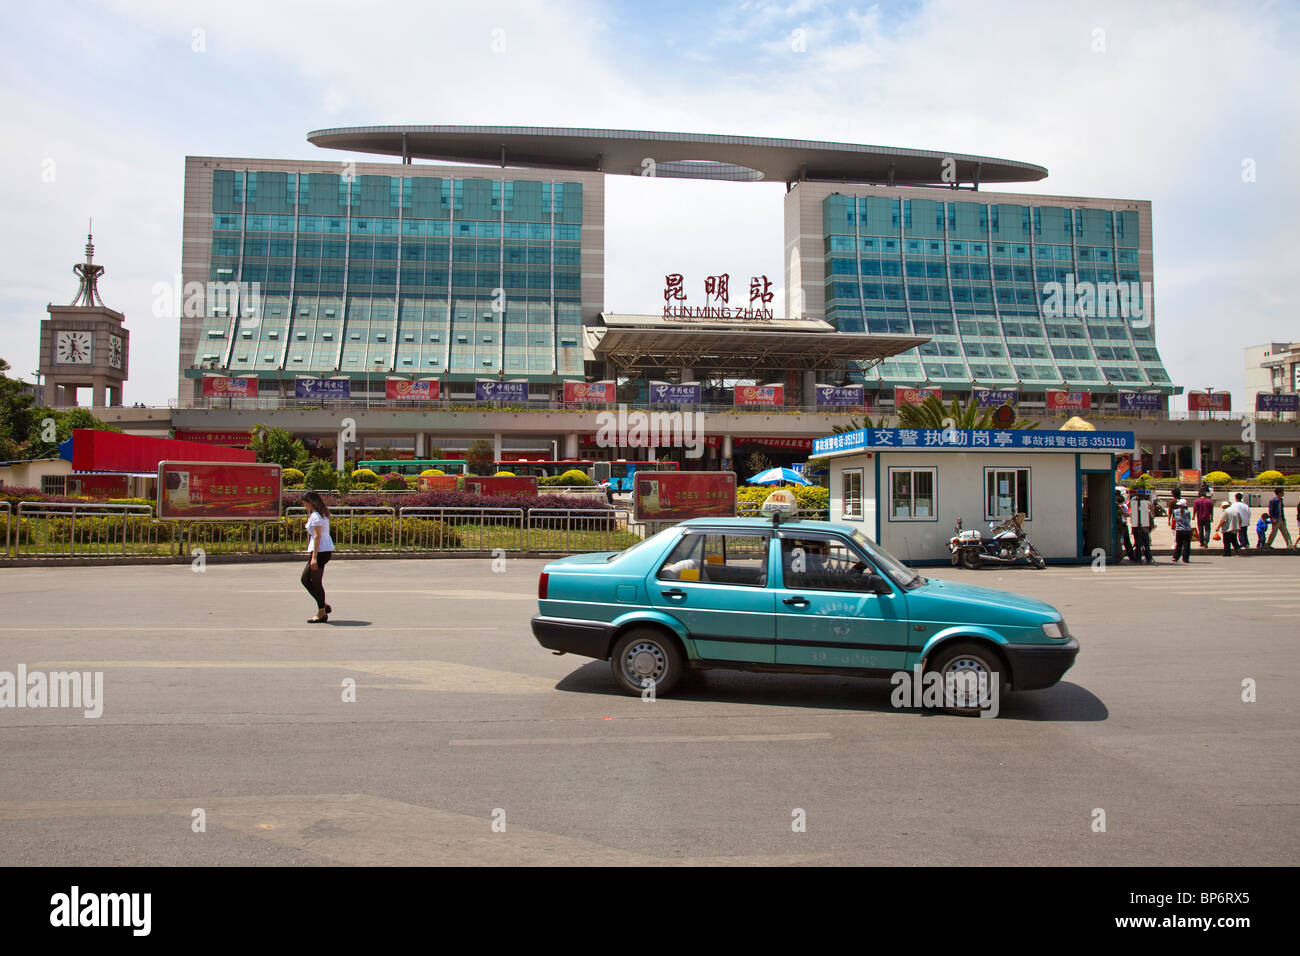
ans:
(902, 575)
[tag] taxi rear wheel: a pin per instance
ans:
(971, 673)
(644, 658)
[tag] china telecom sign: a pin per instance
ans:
(490, 390)
(1139, 401)
(1266, 402)
(665, 393)
(840, 396)
(323, 388)
(993, 397)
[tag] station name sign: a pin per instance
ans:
(717, 299)
(991, 439)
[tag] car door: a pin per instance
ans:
(716, 584)
(827, 614)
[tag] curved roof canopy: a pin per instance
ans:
(676, 155)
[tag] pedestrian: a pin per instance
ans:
(1181, 518)
(1203, 511)
(320, 548)
(1277, 515)
(1122, 510)
(1243, 532)
(1229, 521)
(609, 492)
(1261, 529)
(1141, 521)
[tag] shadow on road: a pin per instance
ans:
(333, 623)
(1065, 702)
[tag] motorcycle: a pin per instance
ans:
(1007, 544)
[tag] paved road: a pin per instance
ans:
(218, 696)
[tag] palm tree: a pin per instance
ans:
(932, 413)
(854, 426)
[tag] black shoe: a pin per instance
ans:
(320, 619)
(328, 609)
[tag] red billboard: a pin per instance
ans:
(588, 391)
(98, 486)
(678, 495)
(914, 396)
(234, 439)
(403, 389)
(436, 482)
(1209, 401)
(512, 487)
(218, 490)
(219, 386)
(94, 450)
(759, 394)
(1058, 399)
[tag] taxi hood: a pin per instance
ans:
(940, 600)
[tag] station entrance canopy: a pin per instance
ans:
(637, 344)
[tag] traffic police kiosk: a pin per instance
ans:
(906, 487)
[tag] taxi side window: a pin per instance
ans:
(718, 559)
(823, 564)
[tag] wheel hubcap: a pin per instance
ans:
(645, 661)
(966, 681)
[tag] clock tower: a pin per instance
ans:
(83, 345)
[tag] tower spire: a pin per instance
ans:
(88, 274)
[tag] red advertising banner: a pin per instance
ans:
(517, 486)
(219, 386)
(233, 439)
(1209, 401)
(1068, 401)
(914, 396)
(759, 394)
(436, 482)
(403, 389)
(98, 486)
(588, 391)
(678, 495)
(218, 490)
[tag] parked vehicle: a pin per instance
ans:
(795, 596)
(1006, 543)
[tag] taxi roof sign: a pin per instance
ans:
(780, 502)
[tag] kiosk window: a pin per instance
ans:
(1006, 491)
(718, 559)
(852, 490)
(911, 494)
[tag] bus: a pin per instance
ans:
(543, 467)
(621, 474)
(411, 467)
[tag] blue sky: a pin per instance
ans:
(102, 102)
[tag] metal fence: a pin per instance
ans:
(70, 530)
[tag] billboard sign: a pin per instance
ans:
(98, 486)
(993, 397)
(218, 490)
(219, 386)
(405, 390)
(840, 395)
(914, 396)
(322, 388)
(759, 394)
(679, 495)
(490, 390)
(588, 391)
(1267, 402)
(1059, 400)
(1209, 401)
(1139, 401)
(512, 487)
(665, 393)
(436, 482)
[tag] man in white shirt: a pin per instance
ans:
(1141, 521)
(1243, 513)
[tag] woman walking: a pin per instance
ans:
(320, 547)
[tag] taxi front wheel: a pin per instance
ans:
(969, 672)
(645, 658)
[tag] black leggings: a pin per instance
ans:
(311, 580)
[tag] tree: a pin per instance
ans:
(277, 446)
(481, 457)
(932, 413)
(852, 425)
(757, 462)
(65, 422)
(15, 414)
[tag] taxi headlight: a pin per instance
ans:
(1056, 630)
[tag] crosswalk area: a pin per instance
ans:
(1244, 581)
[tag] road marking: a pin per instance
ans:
(219, 626)
(665, 739)
(468, 593)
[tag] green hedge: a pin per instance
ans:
(807, 497)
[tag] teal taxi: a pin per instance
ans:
(792, 596)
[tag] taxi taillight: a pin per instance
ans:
(542, 580)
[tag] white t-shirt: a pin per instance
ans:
(1243, 511)
(318, 520)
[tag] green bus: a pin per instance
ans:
(413, 466)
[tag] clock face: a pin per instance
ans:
(115, 351)
(73, 348)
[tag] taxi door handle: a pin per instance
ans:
(796, 601)
(674, 593)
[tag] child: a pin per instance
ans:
(1261, 529)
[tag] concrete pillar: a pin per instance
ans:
(99, 399)
(687, 375)
(571, 445)
(650, 451)
(809, 396)
(1196, 455)
(496, 446)
(726, 446)
(419, 444)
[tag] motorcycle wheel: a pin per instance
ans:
(1036, 559)
(970, 559)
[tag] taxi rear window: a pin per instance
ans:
(718, 558)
